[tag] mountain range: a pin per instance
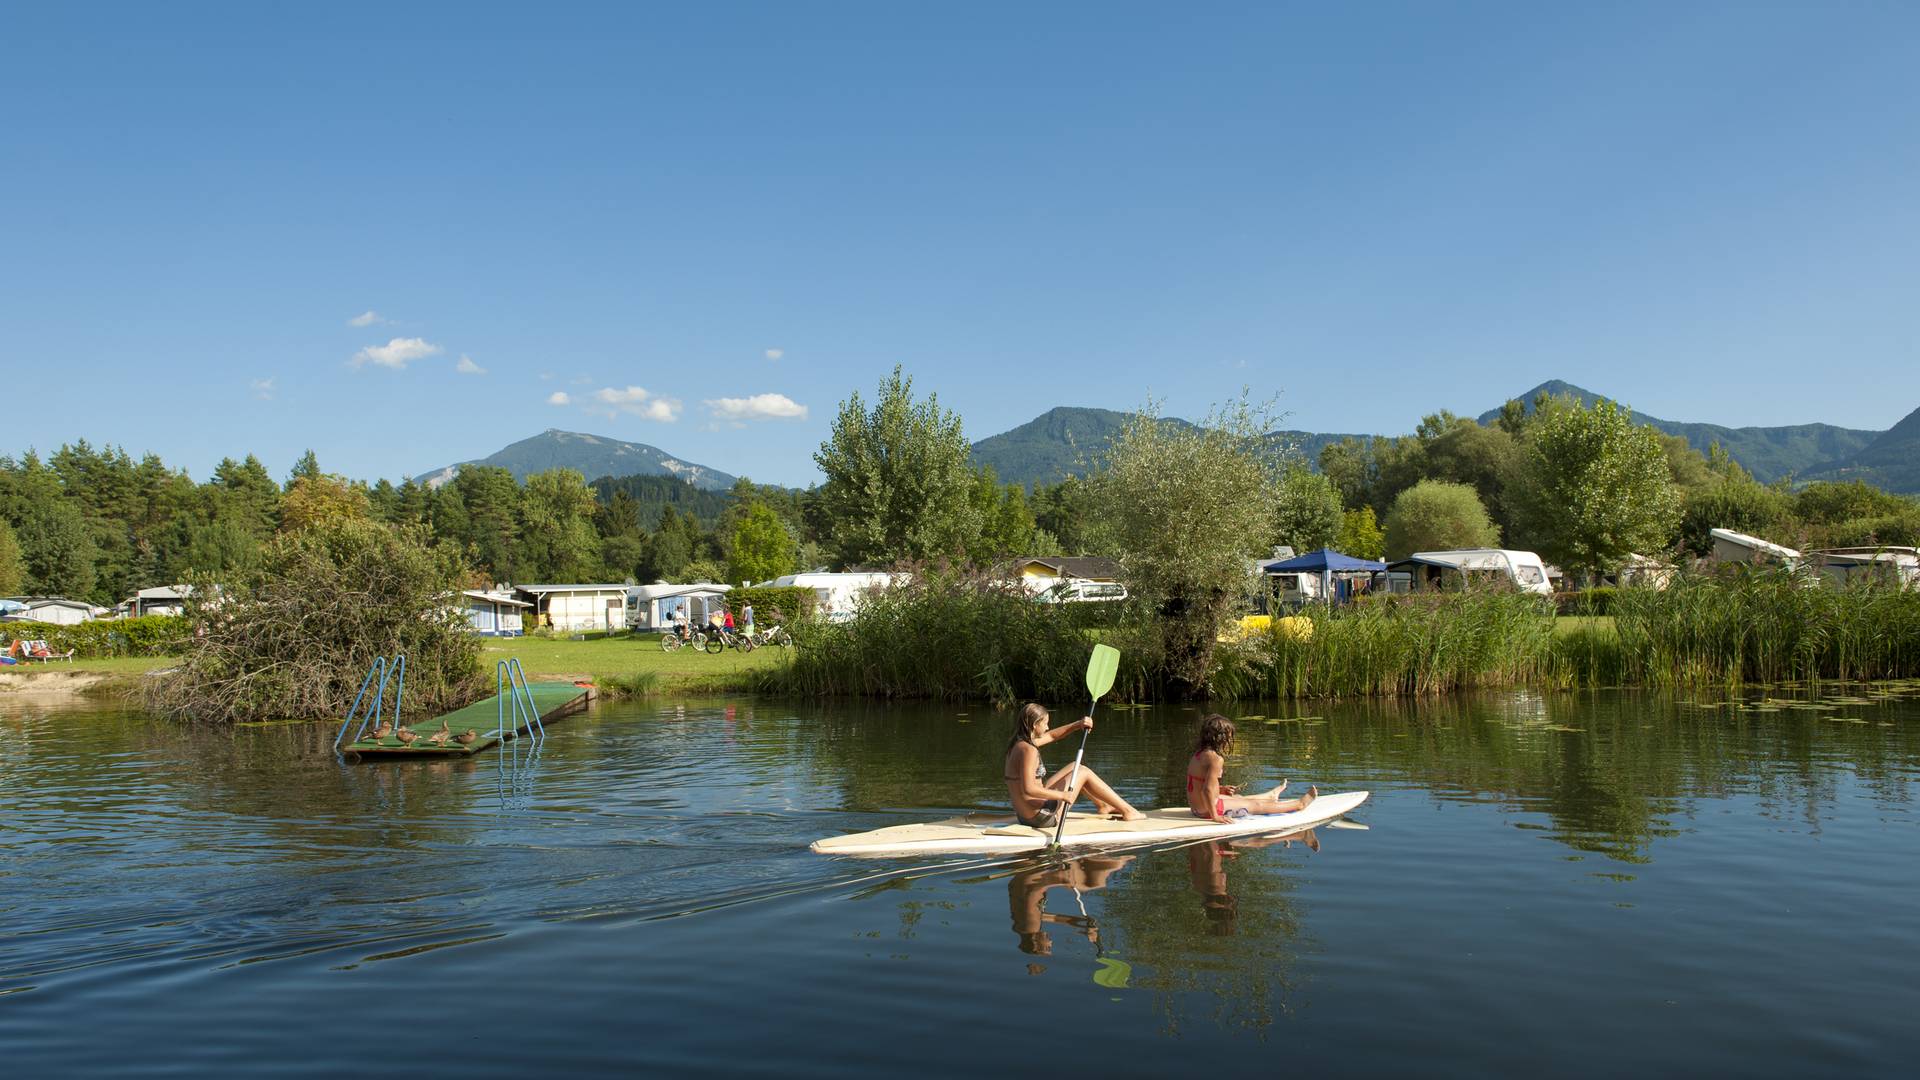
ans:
(593, 456)
(1056, 443)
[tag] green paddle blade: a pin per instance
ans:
(1101, 668)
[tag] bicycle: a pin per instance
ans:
(775, 637)
(672, 640)
(724, 637)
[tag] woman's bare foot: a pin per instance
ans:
(1275, 793)
(1129, 814)
(1307, 799)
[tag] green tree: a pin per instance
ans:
(898, 480)
(1006, 521)
(312, 499)
(12, 570)
(557, 538)
(1064, 512)
(1186, 509)
(1738, 503)
(307, 468)
(761, 548)
(673, 545)
(243, 493)
(1435, 515)
(1594, 488)
(1360, 535)
(1828, 502)
(624, 557)
(1306, 510)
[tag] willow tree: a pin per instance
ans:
(1186, 508)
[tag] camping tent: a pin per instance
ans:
(1326, 562)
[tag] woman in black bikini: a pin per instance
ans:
(1039, 799)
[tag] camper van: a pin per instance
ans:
(1426, 570)
(836, 595)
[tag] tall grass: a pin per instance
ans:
(948, 635)
(1749, 626)
(1425, 644)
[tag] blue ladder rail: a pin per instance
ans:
(510, 685)
(395, 670)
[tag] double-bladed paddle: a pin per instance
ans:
(1101, 668)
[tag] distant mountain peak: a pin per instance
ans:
(593, 456)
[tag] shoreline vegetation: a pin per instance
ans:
(969, 640)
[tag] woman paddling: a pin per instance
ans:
(1208, 798)
(1038, 799)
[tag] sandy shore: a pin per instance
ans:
(52, 682)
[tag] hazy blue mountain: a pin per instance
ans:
(1055, 444)
(593, 456)
(1767, 452)
(1891, 462)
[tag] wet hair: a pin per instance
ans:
(1024, 722)
(1216, 734)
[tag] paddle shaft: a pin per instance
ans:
(1060, 829)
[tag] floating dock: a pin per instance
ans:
(551, 700)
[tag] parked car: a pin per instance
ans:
(1071, 592)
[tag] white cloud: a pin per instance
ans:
(581, 380)
(262, 388)
(637, 402)
(758, 407)
(775, 354)
(365, 318)
(559, 397)
(466, 366)
(397, 353)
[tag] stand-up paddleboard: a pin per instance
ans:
(989, 833)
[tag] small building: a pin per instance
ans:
(495, 614)
(651, 607)
(837, 595)
(57, 610)
(1645, 572)
(1887, 565)
(1737, 547)
(576, 607)
(1041, 573)
(161, 600)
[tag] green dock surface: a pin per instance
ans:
(552, 700)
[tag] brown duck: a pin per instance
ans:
(466, 736)
(385, 729)
(406, 736)
(439, 738)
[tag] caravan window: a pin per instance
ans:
(1528, 574)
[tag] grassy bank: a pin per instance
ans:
(628, 664)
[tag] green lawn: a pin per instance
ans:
(1568, 624)
(111, 665)
(682, 670)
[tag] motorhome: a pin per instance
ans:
(1425, 570)
(836, 596)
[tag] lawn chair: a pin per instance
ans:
(39, 650)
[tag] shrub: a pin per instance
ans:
(951, 634)
(293, 637)
(791, 603)
(1594, 601)
(149, 635)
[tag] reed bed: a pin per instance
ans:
(1390, 646)
(1749, 626)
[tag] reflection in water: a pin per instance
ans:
(1027, 900)
(163, 874)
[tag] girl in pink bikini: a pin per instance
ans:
(1208, 798)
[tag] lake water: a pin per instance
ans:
(1575, 884)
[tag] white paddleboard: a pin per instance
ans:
(988, 833)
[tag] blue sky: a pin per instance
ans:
(697, 222)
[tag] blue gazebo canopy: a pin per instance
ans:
(1324, 561)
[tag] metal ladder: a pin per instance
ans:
(395, 670)
(510, 685)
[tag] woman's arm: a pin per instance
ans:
(1054, 734)
(1210, 787)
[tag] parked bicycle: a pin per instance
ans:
(775, 636)
(723, 638)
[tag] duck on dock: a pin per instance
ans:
(406, 735)
(466, 736)
(439, 738)
(385, 729)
